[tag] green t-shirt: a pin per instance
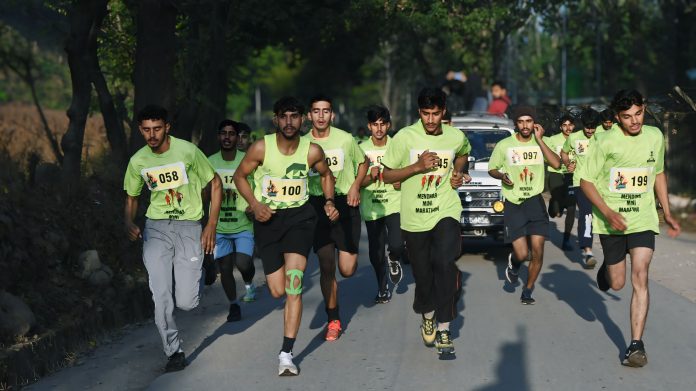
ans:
(623, 169)
(524, 163)
(427, 198)
(555, 143)
(281, 181)
(343, 155)
(577, 146)
(232, 217)
(175, 179)
(378, 199)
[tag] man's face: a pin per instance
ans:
(498, 91)
(631, 120)
(525, 125)
(588, 131)
(243, 141)
(431, 118)
(379, 129)
(607, 124)
(227, 137)
(320, 114)
(567, 127)
(154, 132)
(289, 124)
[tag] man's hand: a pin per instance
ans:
(673, 227)
(538, 131)
(208, 238)
(262, 212)
(616, 221)
(397, 185)
(457, 179)
(133, 231)
(374, 174)
(427, 161)
(331, 211)
(506, 180)
(571, 167)
(353, 196)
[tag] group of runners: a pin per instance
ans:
(288, 193)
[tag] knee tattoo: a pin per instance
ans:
(295, 281)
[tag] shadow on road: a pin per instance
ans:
(556, 238)
(511, 370)
(577, 289)
(458, 321)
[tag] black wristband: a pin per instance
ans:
(331, 200)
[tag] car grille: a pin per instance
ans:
(479, 198)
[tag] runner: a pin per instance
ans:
(623, 173)
(607, 118)
(521, 159)
(173, 242)
(348, 165)
(243, 136)
(234, 239)
(559, 180)
(429, 159)
(284, 221)
(379, 207)
(574, 153)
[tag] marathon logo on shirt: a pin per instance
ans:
(581, 147)
(166, 177)
(524, 156)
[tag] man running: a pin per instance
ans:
(234, 240)
(348, 165)
(607, 118)
(243, 136)
(518, 161)
(559, 180)
(284, 221)
(429, 159)
(575, 152)
(624, 172)
(173, 242)
(379, 207)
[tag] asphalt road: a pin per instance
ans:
(572, 339)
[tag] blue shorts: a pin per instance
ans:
(241, 242)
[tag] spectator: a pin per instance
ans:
(500, 101)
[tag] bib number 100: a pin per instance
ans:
(291, 190)
(166, 177)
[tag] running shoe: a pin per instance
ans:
(383, 297)
(602, 281)
(333, 330)
(395, 271)
(428, 332)
(635, 355)
(235, 313)
(590, 261)
(176, 362)
(511, 272)
(526, 297)
(250, 294)
(443, 342)
(285, 365)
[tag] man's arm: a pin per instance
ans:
(354, 191)
(131, 209)
(502, 176)
(208, 234)
(615, 219)
(460, 172)
(662, 195)
(252, 159)
(426, 162)
(316, 160)
(549, 155)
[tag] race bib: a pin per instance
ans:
(525, 156)
(581, 147)
(334, 159)
(169, 176)
(444, 163)
(375, 156)
(284, 190)
(226, 176)
(630, 180)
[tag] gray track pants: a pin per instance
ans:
(173, 257)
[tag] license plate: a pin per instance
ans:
(475, 220)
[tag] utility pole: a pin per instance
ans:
(564, 54)
(257, 101)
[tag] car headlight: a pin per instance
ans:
(498, 206)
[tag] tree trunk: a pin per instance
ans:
(155, 59)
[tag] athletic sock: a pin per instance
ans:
(442, 326)
(288, 344)
(429, 315)
(332, 313)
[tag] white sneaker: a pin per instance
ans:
(285, 366)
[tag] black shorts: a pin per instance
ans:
(615, 247)
(288, 231)
(344, 233)
(528, 218)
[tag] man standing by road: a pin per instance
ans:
(560, 179)
(348, 165)
(284, 221)
(518, 161)
(175, 171)
(379, 206)
(499, 99)
(429, 160)
(624, 172)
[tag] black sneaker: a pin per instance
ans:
(395, 271)
(526, 297)
(590, 261)
(235, 313)
(602, 281)
(444, 343)
(383, 297)
(635, 355)
(176, 362)
(512, 273)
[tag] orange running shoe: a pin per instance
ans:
(333, 330)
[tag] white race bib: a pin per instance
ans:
(581, 147)
(375, 156)
(334, 159)
(630, 180)
(444, 164)
(284, 190)
(226, 176)
(168, 176)
(525, 156)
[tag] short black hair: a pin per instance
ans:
(320, 98)
(243, 128)
(152, 112)
(431, 97)
(564, 118)
(589, 118)
(288, 103)
(624, 99)
(375, 113)
(498, 83)
(606, 115)
(228, 122)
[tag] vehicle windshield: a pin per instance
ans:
(483, 141)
